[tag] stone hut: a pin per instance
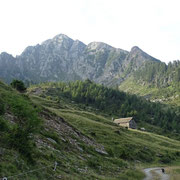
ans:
(126, 122)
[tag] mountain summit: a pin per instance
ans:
(136, 51)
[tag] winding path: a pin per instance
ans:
(150, 172)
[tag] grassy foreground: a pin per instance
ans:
(86, 144)
(138, 149)
(33, 138)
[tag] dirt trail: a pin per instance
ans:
(155, 174)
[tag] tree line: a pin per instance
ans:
(117, 103)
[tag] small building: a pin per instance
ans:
(126, 122)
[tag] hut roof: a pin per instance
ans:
(123, 120)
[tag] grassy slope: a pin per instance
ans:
(167, 95)
(134, 146)
(55, 141)
(76, 159)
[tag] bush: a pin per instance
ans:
(3, 125)
(21, 140)
(18, 85)
(168, 157)
(2, 107)
(93, 163)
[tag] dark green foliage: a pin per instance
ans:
(2, 107)
(21, 140)
(159, 74)
(3, 125)
(18, 85)
(116, 103)
(177, 74)
(146, 155)
(94, 163)
(168, 158)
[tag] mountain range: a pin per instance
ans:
(64, 59)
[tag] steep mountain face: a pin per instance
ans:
(100, 62)
(138, 58)
(63, 59)
(50, 61)
(9, 68)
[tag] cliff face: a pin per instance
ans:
(63, 59)
(8, 68)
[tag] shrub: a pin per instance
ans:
(18, 85)
(3, 125)
(93, 163)
(168, 158)
(2, 107)
(21, 140)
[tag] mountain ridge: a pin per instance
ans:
(64, 59)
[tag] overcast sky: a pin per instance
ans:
(153, 25)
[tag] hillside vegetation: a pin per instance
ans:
(33, 138)
(18, 121)
(114, 103)
(159, 74)
(167, 95)
(37, 130)
(157, 82)
(136, 147)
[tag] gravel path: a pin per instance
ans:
(156, 170)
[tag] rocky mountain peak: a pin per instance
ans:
(59, 40)
(138, 53)
(98, 46)
(135, 48)
(5, 54)
(61, 37)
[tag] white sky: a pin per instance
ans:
(153, 25)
